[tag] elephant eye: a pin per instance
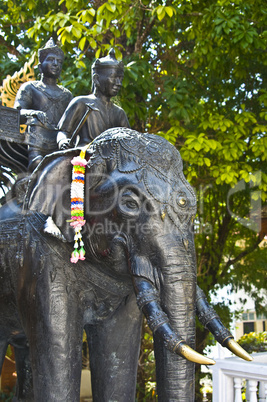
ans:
(131, 204)
(181, 201)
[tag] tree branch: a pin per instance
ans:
(11, 49)
(141, 38)
(243, 253)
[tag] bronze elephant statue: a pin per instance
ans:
(138, 215)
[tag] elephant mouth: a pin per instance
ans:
(113, 253)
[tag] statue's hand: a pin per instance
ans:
(41, 116)
(35, 116)
(64, 144)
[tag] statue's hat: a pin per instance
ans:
(109, 61)
(49, 47)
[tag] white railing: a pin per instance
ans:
(231, 374)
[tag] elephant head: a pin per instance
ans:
(139, 211)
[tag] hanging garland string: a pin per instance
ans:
(77, 204)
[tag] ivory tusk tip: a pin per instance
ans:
(234, 347)
(190, 354)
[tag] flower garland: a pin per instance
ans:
(77, 204)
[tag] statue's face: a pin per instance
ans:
(109, 81)
(52, 65)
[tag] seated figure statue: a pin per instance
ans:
(42, 103)
(107, 76)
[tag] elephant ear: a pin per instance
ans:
(48, 191)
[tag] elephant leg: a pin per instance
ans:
(24, 387)
(54, 330)
(114, 351)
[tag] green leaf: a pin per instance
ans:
(111, 7)
(207, 161)
(93, 43)
(197, 146)
(80, 63)
(82, 43)
(76, 31)
(97, 54)
(118, 54)
(161, 15)
(160, 9)
(169, 10)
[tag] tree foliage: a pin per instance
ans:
(194, 73)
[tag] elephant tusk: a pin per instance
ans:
(234, 347)
(210, 319)
(157, 319)
(190, 354)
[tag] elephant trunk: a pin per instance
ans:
(170, 316)
(210, 319)
(167, 299)
(158, 321)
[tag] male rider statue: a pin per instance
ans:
(42, 103)
(107, 76)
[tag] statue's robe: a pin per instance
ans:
(104, 115)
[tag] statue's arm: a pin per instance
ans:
(69, 121)
(24, 102)
(123, 119)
